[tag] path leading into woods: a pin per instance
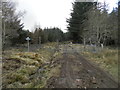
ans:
(77, 72)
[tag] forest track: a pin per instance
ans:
(77, 72)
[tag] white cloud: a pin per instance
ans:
(111, 3)
(48, 13)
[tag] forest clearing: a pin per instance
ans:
(55, 46)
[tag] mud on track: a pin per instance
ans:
(77, 72)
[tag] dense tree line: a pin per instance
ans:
(47, 35)
(13, 32)
(91, 23)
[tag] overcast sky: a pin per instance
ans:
(48, 13)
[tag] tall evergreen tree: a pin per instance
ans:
(11, 22)
(77, 17)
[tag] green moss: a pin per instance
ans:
(15, 85)
(27, 70)
(26, 75)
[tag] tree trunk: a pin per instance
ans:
(84, 43)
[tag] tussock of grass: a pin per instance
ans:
(26, 74)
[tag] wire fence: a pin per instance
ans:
(72, 48)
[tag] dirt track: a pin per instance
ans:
(77, 72)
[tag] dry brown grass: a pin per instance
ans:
(107, 59)
(27, 65)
